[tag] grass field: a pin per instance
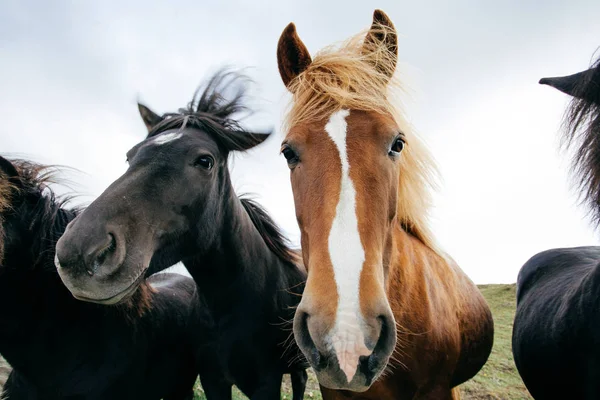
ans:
(497, 380)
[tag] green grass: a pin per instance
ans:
(498, 379)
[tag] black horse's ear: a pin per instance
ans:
(577, 85)
(292, 55)
(242, 141)
(150, 118)
(381, 44)
(7, 168)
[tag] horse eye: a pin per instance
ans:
(397, 147)
(290, 155)
(205, 162)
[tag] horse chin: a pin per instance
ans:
(111, 301)
(338, 382)
(119, 298)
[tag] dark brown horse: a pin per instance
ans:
(62, 348)
(176, 202)
(557, 324)
(384, 311)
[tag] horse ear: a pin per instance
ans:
(292, 55)
(150, 118)
(576, 85)
(7, 168)
(381, 44)
(242, 141)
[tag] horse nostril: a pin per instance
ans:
(103, 254)
(304, 341)
(385, 344)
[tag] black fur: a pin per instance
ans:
(555, 337)
(62, 348)
(180, 209)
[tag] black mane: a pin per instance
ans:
(211, 111)
(582, 123)
(269, 231)
(215, 113)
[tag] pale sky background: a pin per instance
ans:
(71, 72)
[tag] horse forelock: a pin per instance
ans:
(343, 77)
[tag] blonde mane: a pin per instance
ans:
(344, 76)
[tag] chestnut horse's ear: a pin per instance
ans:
(576, 85)
(382, 36)
(7, 168)
(292, 55)
(150, 118)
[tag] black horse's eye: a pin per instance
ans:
(397, 146)
(289, 154)
(205, 162)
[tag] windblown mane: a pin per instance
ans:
(48, 216)
(582, 130)
(216, 108)
(270, 232)
(343, 76)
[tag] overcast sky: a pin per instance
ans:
(72, 71)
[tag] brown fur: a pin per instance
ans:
(444, 326)
(296, 58)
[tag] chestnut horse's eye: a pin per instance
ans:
(205, 162)
(397, 146)
(290, 155)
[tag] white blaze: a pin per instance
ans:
(347, 256)
(166, 138)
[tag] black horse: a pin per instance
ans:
(556, 336)
(176, 202)
(62, 348)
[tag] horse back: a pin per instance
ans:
(548, 272)
(556, 317)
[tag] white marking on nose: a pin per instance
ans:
(56, 262)
(347, 256)
(166, 138)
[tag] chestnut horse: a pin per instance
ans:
(384, 311)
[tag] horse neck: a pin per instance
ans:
(30, 288)
(238, 262)
(418, 280)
